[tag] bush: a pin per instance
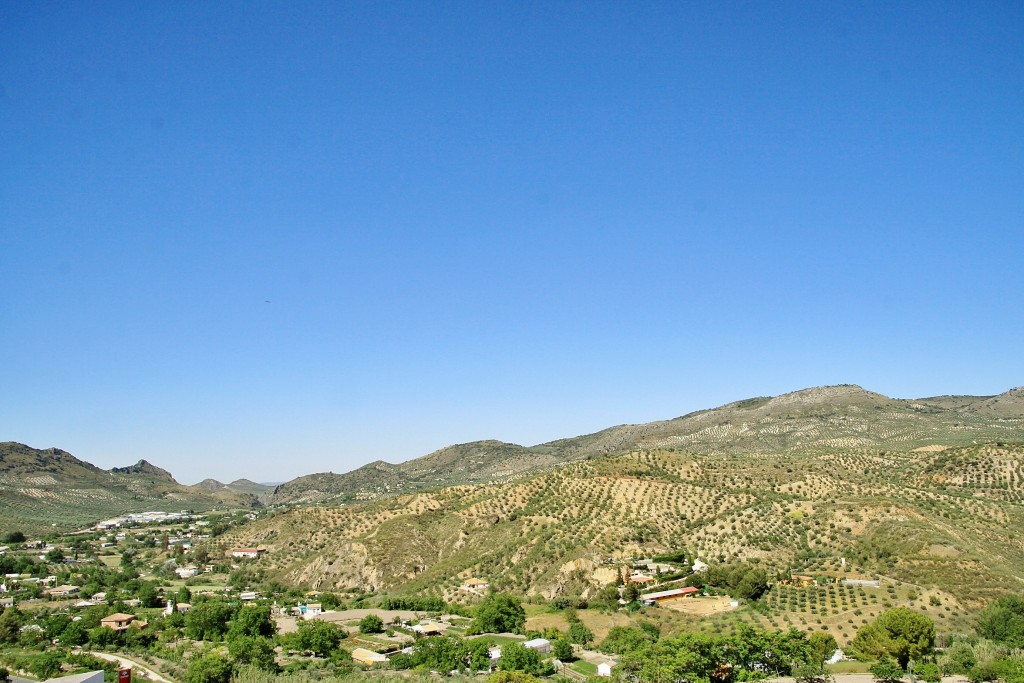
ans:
(886, 670)
(1003, 621)
(371, 623)
(812, 673)
(210, 668)
(928, 672)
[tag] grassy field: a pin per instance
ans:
(585, 668)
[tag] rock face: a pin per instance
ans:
(146, 469)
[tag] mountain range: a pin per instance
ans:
(844, 416)
(44, 488)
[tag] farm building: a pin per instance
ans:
(427, 628)
(542, 645)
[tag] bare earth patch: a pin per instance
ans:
(700, 607)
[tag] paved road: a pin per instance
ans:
(142, 670)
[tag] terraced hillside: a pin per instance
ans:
(47, 489)
(932, 516)
(810, 420)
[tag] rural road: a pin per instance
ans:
(143, 670)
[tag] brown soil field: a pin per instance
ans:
(700, 607)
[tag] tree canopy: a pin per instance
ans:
(901, 633)
(499, 613)
(1003, 621)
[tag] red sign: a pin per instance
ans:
(124, 676)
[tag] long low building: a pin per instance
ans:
(367, 657)
(687, 592)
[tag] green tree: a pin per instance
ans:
(441, 654)
(623, 639)
(518, 657)
(886, 670)
(319, 637)
(1003, 621)
(208, 620)
(55, 625)
(400, 661)
(209, 668)
(499, 613)
(10, 623)
(371, 623)
(901, 633)
(822, 646)
(810, 672)
(580, 634)
(562, 649)
(752, 585)
(631, 592)
(54, 556)
(692, 657)
(479, 654)
(103, 637)
(253, 650)
(46, 665)
(74, 634)
(148, 596)
(14, 537)
(252, 621)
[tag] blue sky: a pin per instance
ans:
(265, 239)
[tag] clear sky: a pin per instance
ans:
(265, 239)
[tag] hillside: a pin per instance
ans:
(845, 416)
(936, 518)
(243, 486)
(46, 489)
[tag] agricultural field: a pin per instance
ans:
(849, 513)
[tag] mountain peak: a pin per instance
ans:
(145, 468)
